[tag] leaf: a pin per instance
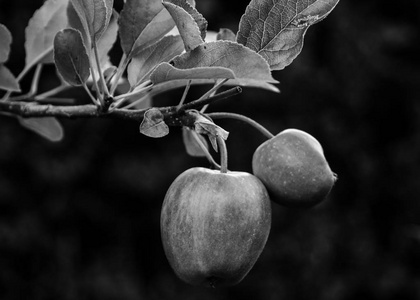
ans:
(70, 56)
(145, 61)
(204, 125)
(166, 72)
(142, 23)
(192, 11)
(6, 40)
(94, 16)
(108, 37)
(249, 67)
(47, 127)
(276, 29)
(191, 145)
(187, 26)
(8, 81)
(75, 23)
(226, 34)
(153, 124)
(105, 44)
(41, 30)
(109, 5)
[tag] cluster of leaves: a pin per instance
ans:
(165, 45)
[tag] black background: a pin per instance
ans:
(79, 219)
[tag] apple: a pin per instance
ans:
(214, 225)
(293, 168)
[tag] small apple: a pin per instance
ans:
(214, 225)
(293, 168)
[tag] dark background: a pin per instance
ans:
(80, 219)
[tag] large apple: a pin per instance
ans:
(293, 168)
(214, 225)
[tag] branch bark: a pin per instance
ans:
(32, 110)
(172, 113)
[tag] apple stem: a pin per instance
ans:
(253, 123)
(223, 154)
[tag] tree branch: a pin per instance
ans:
(173, 114)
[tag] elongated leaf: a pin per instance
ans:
(41, 30)
(8, 81)
(75, 22)
(187, 27)
(6, 40)
(71, 57)
(94, 16)
(276, 29)
(167, 72)
(192, 11)
(109, 36)
(145, 61)
(153, 124)
(142, 23)
(109, 5)
(105, 43)
(248, 66)
(47, 127)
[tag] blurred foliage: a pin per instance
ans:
(80, 219)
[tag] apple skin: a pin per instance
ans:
(214, 225)
(293, 168)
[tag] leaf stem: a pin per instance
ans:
(184, 95)
(98, 65)
(95, 83)
(120, 70)
(223, 154)
(27, 68)
(213, 89)
(94, 100)
(204, 108)
(52, 92)
(203, 101)
(255, 124)
(134, 103)
(138, 91)
(33, 89)
(35, 80)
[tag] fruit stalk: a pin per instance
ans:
(223, 154)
